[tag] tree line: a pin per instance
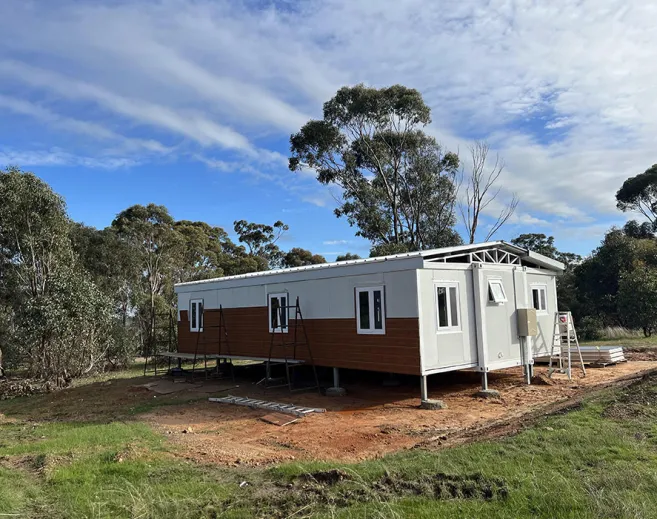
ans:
(617, 284)
(75, 299)
(400, 189)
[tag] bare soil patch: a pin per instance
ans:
(639, 401)
(372, 421)
(641, 354)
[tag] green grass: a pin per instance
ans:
(597, 461)
(632, 343)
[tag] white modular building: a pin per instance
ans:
(419, 313)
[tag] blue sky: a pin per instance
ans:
(190, 104)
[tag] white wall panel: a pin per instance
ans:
(323, 298)
(543, 342)
(442, 349)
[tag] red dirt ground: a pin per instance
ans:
(371, 421)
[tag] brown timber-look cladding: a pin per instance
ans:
(333, 342)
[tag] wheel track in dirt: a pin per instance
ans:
(509, 426)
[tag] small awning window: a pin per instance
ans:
(496, 292)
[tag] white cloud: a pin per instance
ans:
(57, 157)
(564, 91)
(75, 125)
(191, 125)
(337, 242)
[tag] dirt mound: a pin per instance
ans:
(12, 388)
(640, 354)
(39, 465)
(336, 488)
(639, 400)
(327, 477)
(445, 486)
(541, 379)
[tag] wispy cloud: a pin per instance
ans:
(337, 242)
(190, 124)
(86, 128)
(564, 91)
(57, 157)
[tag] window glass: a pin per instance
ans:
(454, 302)
(378, 310)
(196, 315)
(539, 298)
(443, 321)
(364, 308)
(496, 292)
(371, 311)
(447, 306)
(274, 312)
(278, 312)
(283, 311)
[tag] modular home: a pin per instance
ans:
(419, 313)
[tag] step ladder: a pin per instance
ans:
(563, 342)
(286, 339)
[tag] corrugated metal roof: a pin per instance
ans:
(535, 257)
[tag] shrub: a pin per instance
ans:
(590, 328)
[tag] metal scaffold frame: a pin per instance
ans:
(278, 343)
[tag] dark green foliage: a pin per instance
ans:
(66, 332)
(58, 321)
(566, 282)
(639, 194)
(260, 240)
(298, 257)
(389, 249)
(597, 279)
(112, 264)
(538, 243)
(589, 328)
(157, 248)
(347, 256)
(201, 252)
(637, 298)
(642, 231)
(74, 299)
(545, 245)
(397, 182)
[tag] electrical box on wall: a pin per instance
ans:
(527, 326)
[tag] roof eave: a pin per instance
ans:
(544, 261)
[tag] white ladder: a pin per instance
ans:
(565, 337)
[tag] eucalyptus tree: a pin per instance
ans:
(397, 184)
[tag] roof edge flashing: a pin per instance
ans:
(425, 255)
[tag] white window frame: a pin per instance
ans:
(450, 328)
(540, 288)
(199, 315)
(491, 292)
(278, 295)
(370, 291)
